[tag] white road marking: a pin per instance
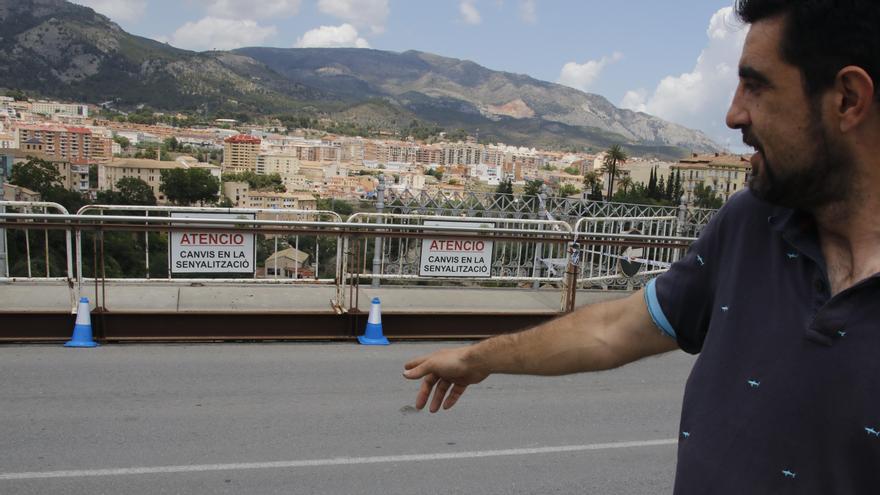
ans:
(339, 461)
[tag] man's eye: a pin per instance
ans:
(751, 86)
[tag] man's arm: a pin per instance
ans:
(596, 337)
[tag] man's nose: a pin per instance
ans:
(737, 116)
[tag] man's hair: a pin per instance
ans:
(821, 37)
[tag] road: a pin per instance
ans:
(323, 418)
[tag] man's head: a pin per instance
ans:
(809, 78)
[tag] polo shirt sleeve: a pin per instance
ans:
(681, 300)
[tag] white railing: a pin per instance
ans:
(607, 253)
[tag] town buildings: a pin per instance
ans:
(81, 145)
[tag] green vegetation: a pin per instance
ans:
(437, 173)
(421, 131)
(705, 197)
(258, 182)
(190, 186)
(128, 191)
(42, 176)
(658, 192)
(567, 190)
(614, 156)
(533, 187)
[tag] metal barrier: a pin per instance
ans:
(537, 253)
(300, 272)
(495, 205)
(398, 259)
(27, 268)
(627, 266)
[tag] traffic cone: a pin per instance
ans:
(373, 334)
(82, 331)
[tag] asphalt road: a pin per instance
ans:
(323, 418)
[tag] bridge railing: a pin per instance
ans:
(627, 266)
(411, 249)
(28, 252)
(279, 258)
(507, 261)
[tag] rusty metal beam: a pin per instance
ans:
(114, 327)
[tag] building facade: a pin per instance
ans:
(240, 153)
(723, 174)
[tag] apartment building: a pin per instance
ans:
(53, 108)
(469, 153)
(724, 174)
(240, 153)
(281, 163)
(148, 171)
(305, 149)
(76, 144)
(276, 200)
(8, 140)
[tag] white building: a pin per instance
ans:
(51, 108)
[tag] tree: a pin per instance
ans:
(122, 141)
(257, 181)
(504, 193)
(669, 193)
(533, 187)
(626, 183)
(568, 190)
(188, 186)
(343, 208)
(614, 156)
(129, 191)
(661, 189)
(592, 183)
(37, 175)
(43, 177)
(705, 197)
(93, 176)
(171, 144)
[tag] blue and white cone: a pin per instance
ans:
(82, 331)
(373, 334)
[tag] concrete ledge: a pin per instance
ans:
(172, 298)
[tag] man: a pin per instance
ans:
(781, 293)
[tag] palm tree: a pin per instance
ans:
(591, 182)
(626, 183)
(614, 156)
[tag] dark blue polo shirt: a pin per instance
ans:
(785, 395)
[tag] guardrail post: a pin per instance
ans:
(569, 280)
(539, 247)
(377, 246)
(682, 216)
(4, 262)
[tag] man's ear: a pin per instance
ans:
(855, 93)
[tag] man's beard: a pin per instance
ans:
(825, 178)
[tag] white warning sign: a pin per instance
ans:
(471, 258)
(212, 252)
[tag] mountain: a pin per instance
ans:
(58, 49)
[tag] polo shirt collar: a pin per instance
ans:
(798, 228)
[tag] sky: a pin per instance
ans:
(676, 60)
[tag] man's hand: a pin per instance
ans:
(443, 371)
